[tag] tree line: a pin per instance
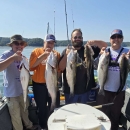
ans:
(39, 42)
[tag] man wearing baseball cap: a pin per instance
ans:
(113, 91)
(9, 64)
(37, 64)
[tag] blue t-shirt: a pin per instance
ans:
(11, 76)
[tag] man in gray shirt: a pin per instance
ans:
(9, 64)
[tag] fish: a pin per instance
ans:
(24, 78)
(102, 71)
(71, 66)
(88, 54)
(124, 65)
(51, 78)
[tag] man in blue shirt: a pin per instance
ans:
(9, 64)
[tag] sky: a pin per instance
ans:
(96, 18)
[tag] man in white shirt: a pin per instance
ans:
(112, 84)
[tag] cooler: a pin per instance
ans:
(78, 117)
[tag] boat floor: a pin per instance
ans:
(120, 128)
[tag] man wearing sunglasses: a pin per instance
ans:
(112, 84)
(81, 93)
(9, 64)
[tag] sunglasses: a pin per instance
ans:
(78, 37)
(18, 43)
(116, 36)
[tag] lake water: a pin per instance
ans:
(27, 51)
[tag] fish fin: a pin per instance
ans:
(101, 92)
(53, 70)
(71, 65)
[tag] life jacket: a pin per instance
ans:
(114, 63)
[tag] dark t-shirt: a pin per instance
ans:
(81, 74)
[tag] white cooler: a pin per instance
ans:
(78, 117)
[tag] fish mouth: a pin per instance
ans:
(21, 66)
(52, 66)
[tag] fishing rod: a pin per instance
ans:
(103, 105)
(72, 18)
(66, 22)
(54, 22)
(47, 27)
(54, 29)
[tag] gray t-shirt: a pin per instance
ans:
(11, 77)
(113, 79)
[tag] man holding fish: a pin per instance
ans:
(43, 62)
(9, 63)
(112, 71)
(77, 67)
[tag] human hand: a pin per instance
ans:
(90, 42)
(102, 50)
(47, 52)
(128, 54)
(68, 50)
(17, 56)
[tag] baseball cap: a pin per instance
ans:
(50, 37)
(116, 31)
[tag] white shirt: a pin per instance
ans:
(113, 79)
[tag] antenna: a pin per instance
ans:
(66, 21)
(47, 27)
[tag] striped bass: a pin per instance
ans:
(51, 78)
(102, 71)
(71, 69)
(88, 54)
(24, 78)
(124, 64)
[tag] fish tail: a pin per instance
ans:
(71, 92)
(52, 107)
(71, 95)
(25, 99)
(101, 92)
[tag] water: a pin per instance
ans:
(27, 51)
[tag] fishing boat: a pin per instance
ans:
(5, 120)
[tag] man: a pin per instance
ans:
(9, 62)
(37, 64)
(80, 92)
(113, 80)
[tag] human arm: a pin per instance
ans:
(63, 59)
(98, 43)
(96, 60)
(35, 61)
(15, 57)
